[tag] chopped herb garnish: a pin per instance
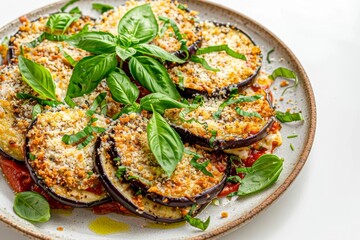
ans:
(67, 56)
(292, 147)
(117, 159)
(285, 73)
(247, 114)
(120, 171)
(203, 62)
(292, 136)
(213, 137)
(196, 222)
(199, 166)
(40, 101)
(89, 174)
(97, 102)
(32, 156)
(220, 48)
(71, 2)
(181, 78)
(286, 117)
(182, 7)
(101, 8)
(268, 55)
(36, 110)
(234, 179)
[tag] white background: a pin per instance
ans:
(323, 202)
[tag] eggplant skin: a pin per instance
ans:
(186, 136)
(120, 197)
(9, 157)
(48, 190)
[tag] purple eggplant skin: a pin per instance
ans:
(126, 202)
(9, 157)
(186, 136)
(48, 190)
(202, 198)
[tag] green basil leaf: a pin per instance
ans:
(138, 25)
(36, 110)
(71, 61)
(233, 100)
(182, 7)
(40, 101)
(89, 72)
(164, 143)
(160, 102)
(86, 142)
(247, 114)
(85, 133)
(135, 107)
(285, 73)
(153, 76)
(75, 10)
(69, 102)
(292, 147)
(158, 52)
(234, 179)
(121, 88)
(94, 42)
(181, 83)
(97, 102)
(34, 43)
(286, 117)
(172, 23)
(199, 166)
(198, 223)
(203, 62)
(61, 21)
(213, 138)
(220, 48)
(124, 53)
(101, 8)
(32, 206)
(71, 2)
(120, 172)
(37, 77)
(268, 55)
(263, 173)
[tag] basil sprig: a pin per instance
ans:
(285, 73)
(286, 117)
(101, 7)
(136, 28)
(164, 142)
(262, 174)
(61, 21)
(38, 78)
(32, 206)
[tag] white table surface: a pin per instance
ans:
(323, 202)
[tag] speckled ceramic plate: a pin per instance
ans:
(76, 225)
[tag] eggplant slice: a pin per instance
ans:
(64, 171)
(230, 130)
(192, 78)
(31, 30)
(15, 113)
(186, 186)
(124, 192)
(186, 20)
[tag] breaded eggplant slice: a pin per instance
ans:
(186, 186)
(231, 129)
(192, 78)
(64, 171)
(185, 19)
(124, 192)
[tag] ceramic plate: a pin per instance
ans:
(76, 225)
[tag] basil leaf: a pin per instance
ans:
(234, 179)
(61, 21)
(89, 72)
(121, 88)
(268, 55)
(75, 10)
(172, 23)
(219, 48)
(69, 102)
(40, 101)
(37, 77)
(233, 100)
(124, 53)
(120, 172)
(101, 8)
(71, 61)
(247, 114)
(63, 8)
(86, 142)
(203, 62)
(160, 102)
(135, 107)
(34, 43)
(85, 133)
(286, 117)
(55, 38)
(263, 173)
(153, 76)
(213, 138)
(138, 25)
(94, 42)
(36, 110)
(158, 52)
(198, 223)
(199, 166)
(182, 7)
(32, 206)
(181, 83)
(292, 147)
(97, 102)
(164, 143)
(285, 73)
